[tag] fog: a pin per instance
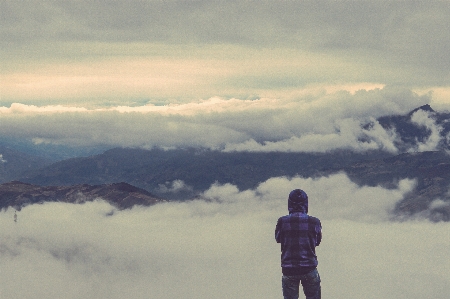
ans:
(222, 246)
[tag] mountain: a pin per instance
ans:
(431, 170)
(14, 163)
(152, 169)
(17, 195)
(421, 137)
(47, 151)
(414, 130)
(155, 169)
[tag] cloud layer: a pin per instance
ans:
(314, 122)
(285, 76)
(222, 248)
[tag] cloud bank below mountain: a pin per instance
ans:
(222, 248)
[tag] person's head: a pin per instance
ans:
(298, 201)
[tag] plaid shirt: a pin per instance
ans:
(299, 234)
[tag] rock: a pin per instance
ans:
(17, 194)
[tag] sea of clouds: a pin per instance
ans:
(222, 247)
(315, 121)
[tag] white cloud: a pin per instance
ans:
(437, 210)
(198, 249)
(348, 134)
(1, 159)
(439, 203)
(384, 138)
(314, 121)
(423, 118)
(174, 187)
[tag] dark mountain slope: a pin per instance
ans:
(411, 133)
(121, 195)
(198, 168)
(14, 164)
(431, 170)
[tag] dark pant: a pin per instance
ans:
(310, 283)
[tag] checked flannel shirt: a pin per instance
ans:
(299, 234)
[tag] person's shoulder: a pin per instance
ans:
(314, 219)
(283, 217)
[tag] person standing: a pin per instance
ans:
(299, 234)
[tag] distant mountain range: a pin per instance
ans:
(155, 170)
(14, 163)
(184, 173)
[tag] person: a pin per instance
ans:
(299, 234)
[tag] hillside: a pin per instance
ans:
(149, 169)
(17, 195)
(14, 163)
(431, 170)
(182, 174)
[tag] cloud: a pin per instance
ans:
(204, 247)
(423, 118)
(439, 203)
(1, 159)
(348, 134)
(174, 187)
(438, 210)
(89, 51)
(314, 121)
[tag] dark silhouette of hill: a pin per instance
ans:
(17, 194)
(47, 151)
(148, 169)
(431, 170)
(14, 164)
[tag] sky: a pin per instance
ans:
(224, 247)
(233, 75)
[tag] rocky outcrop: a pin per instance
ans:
(17, 194)
(430, 170)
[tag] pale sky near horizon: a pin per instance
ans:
(88, 52)
(189, 69)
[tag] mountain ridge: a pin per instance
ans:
(195, 170)
(16, 194)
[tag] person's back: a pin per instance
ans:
(299, 234)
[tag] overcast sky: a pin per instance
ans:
(231, 74)
(87, 52)
(223, 248)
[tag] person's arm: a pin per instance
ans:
(319, 235)
(278, 231)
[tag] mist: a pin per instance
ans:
(222, 246)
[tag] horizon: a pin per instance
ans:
(216, 74)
